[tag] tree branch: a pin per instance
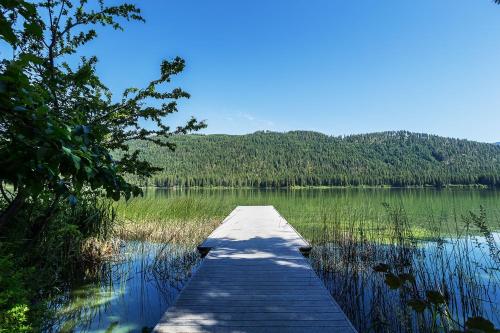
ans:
(4, 194)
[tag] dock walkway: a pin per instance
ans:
(254, 280)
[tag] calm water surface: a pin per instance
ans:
(132, 292)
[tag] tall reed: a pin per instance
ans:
(463, 268)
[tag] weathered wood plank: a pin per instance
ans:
(231, 303)
(255, 316)
(254, 280)
(258, 323)
(236, 329)
(257, 309)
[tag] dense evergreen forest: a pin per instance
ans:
(302, 158)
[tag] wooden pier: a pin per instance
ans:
(254, 279)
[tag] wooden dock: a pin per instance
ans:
(254, 279)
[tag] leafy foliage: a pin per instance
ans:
(434, 302)
(15, 320)
(268, 159)
(13, 298)
(59, 122)
(58, 126)
(479, 324)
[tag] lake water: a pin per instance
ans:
(132, 292)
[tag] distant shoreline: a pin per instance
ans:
(314, 160)
(471, 186)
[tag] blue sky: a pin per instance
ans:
(334, 66)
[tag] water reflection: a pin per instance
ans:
(439, 207)
(466, 270)
(131, 294)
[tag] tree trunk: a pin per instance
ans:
(8, 215)
(42, 221)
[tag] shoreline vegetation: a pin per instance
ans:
(349, 239)
(73, 154)
(350, 234)
(166, 216)
(319, 187)
(59, 125)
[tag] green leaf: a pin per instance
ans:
(29, 8)
(76, 161)
(74, 158)
(6, 31)
(406, 277)
(67, 150)
(9, 4)
(34, 29)
(480, 324)
(393, 281)
(435, 297)
(417, 305)
(88, 171)
(29, 57)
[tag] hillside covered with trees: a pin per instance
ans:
(301, 158)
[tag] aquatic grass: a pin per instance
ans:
(187, 217)
(461, 267)
(173, 208)
(186, 221)
(144, 276)
(351, 231)
(95, 250)
(348, 240)
(191, 232)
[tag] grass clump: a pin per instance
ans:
(182, 220)
(350, 236)
(39, 263)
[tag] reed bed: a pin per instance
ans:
(187, 217)
(136, 287)
(463, 268)
(192, 232)
(184, 221)
(445, 249)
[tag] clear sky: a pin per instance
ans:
(334, 66)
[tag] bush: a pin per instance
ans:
(13, 298)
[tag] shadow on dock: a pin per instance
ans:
(255, 279)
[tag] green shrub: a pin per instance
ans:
(13, 297)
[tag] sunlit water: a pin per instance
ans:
(133, 291)
(466, 270)
(131, 294)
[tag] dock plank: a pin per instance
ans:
(254, 280)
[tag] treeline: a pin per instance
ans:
(302, 158)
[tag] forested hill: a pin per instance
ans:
(300, 158)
